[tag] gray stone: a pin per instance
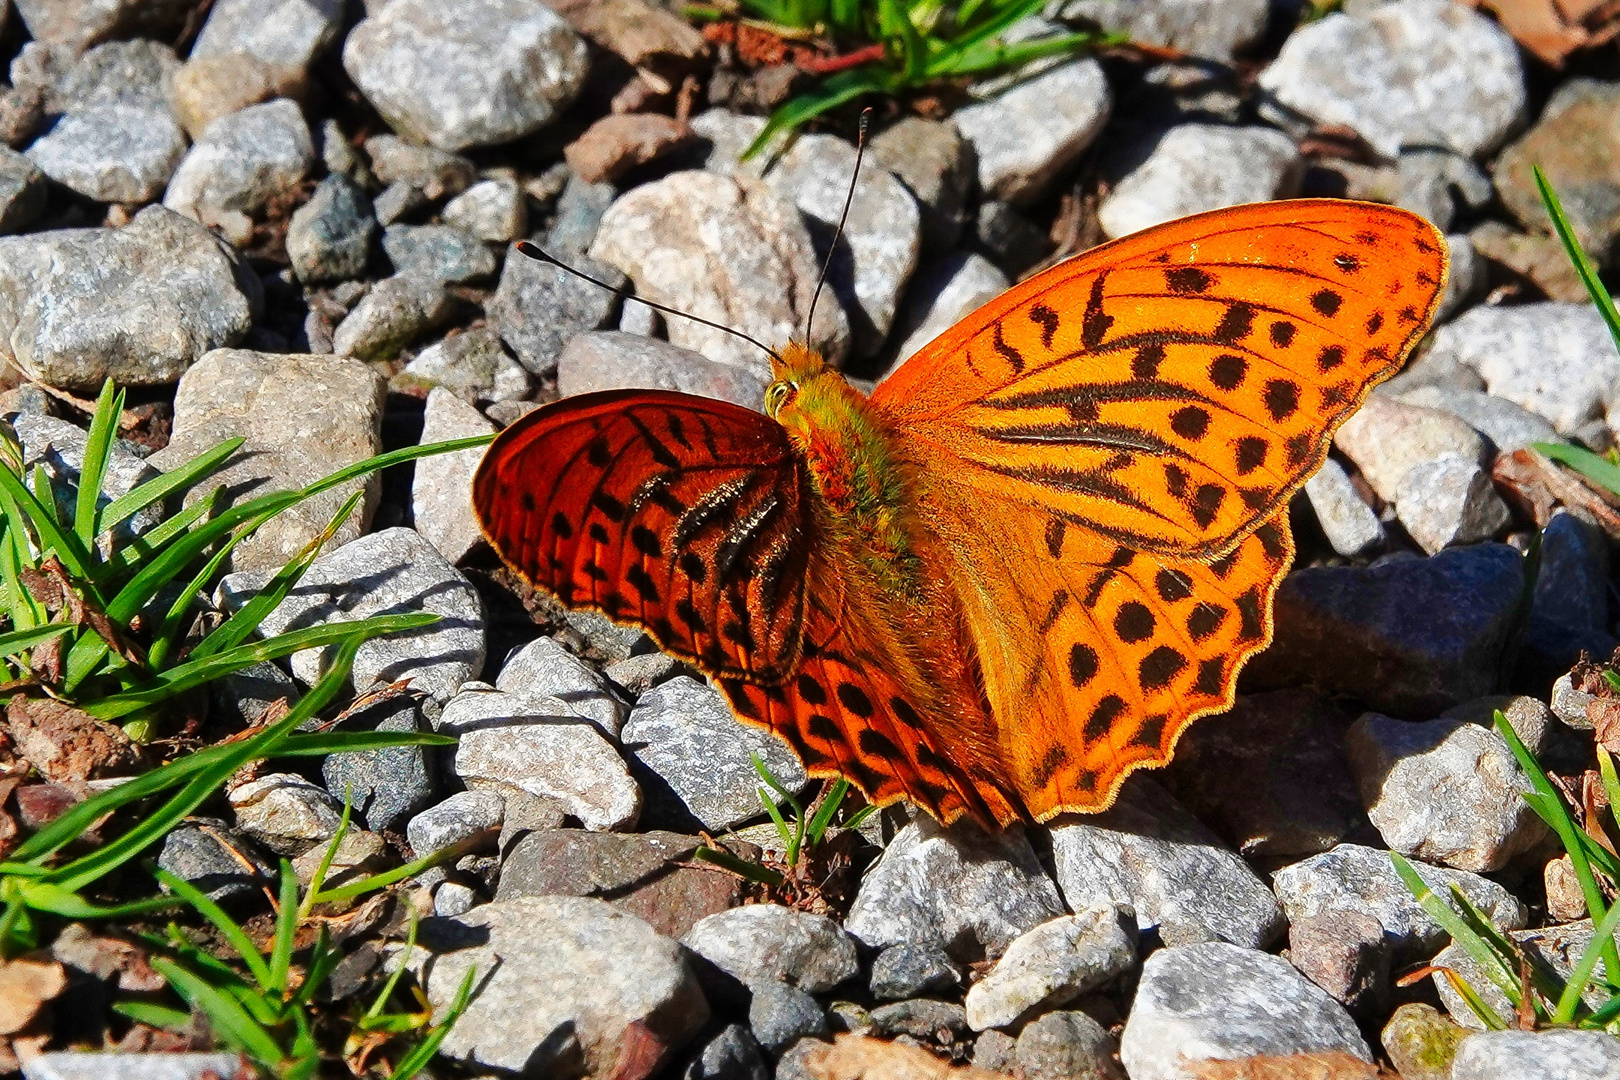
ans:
(441, 252)
(1270, 776)
(494, 210)
(138, 305)
(1197, 167)
(82, 23)
(282, 33)
(940, 294)
(1529, 718)
(684, 735)
(1548, 1055)
(1408, 637)
(387, 786)
(57, 447)
(907, 970)
(1215, 1001)
(22, 192)
(1029, 134)
(1569, 704)
(264, 398)
(578, 216)
(1425, 72)
(330, 236)
(613, 360)
(1445, 791)
(635, 675)
(1361, 880)
(1466, 280)
(1215, 29)
(1149, 853)
(1065, 1046)
(760, 944)
(453, 898)
(440, 508)
(89, 1065)
(1014, 241)
(1052, 965)
(882, 229)
(544, 668)
(117, 141)
(460, 76)
(1554, 359)
(396, 312)
(358, 854)
(780, 1015)
(389, 572)
(936, 166)
(1449, 500)
(612, 984)
(243, 696)
(221, 862)
(731, 1055)
(1510, 427)
(431, 172)
(538, 308)
(283, 809)
(969, 892)
(460, 817)
(1347, 521)
(242, 163)
(937, 1023)
(1433, 180)
(729, 249)
(472, 365)
(1347, 954)
(538, 745)
(1386, 438)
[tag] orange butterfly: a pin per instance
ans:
(1036, 553)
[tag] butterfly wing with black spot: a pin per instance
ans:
(680, 514)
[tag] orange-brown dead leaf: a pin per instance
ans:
(64, 744)
(1319, 1065)
(856, 1057)
(25, 987)
(1554, 29)
(1537, 487)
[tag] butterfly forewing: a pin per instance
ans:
(1172, 389)
(675, 513)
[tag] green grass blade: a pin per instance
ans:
(281, 951)
(1599, 470)
(159, 1016)
(44, 896)
(315, 883)
(226, 1017)
(1501, 970)
(387, 991)
(836, 90)
(245, 622)
(387, 877)
(227, 926)
(51, 536)
(323, 961)
(422, 1053)
(1581, 974)
(15, 641)
(183, 677)
(1577, 255)
(98, 447)
(170, 632)
(741, 867)
(183, 478)
(137, 551)
(826, 811)
(354, 742)
(1476, 1004)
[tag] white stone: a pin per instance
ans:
(1030, 133)
(1199, 167)
(440, 501)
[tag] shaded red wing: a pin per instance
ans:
(681, 514)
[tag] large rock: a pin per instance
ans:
(265, 398)
(539, 308)
(1554, 359)
(618, 1001)
(882, 230)
(461, 75)
(960, 888)
(728, 249)
(117, 140)
(1387, 439)
(386, 573)
(614, 360)
(1196, 167)
(439, 501)
(683, 733)
(138, 305)
(82, 23)
(1052, 965)
(1027, 135)
(1575, 144)
(1148, 852)
(286, 34)
(763, 943)
(1215, 1001)
(1214, 29)
(1547, 1055)
(241, 164)
(1409, 637)
(1445, 791)
(932, 160)
(1422, 72)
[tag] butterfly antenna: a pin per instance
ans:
(540, 255)
(849, 197)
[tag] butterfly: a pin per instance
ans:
(1041, 548)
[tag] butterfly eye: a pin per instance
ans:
(777, 395)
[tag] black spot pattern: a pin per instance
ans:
(1282, 333)
(1190, 422)
(1282, 398)
(561, 526)
(1249, 453)
(1133, 622)
(1102, 717)
(1236, 324)
(1188, 279)
(1082, 664)
(1327, 302)
(855, 700)
(1330, 358)
(1227, 371)
(1204, 620)
(1159, 667)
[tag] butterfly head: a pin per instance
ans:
(800, 379)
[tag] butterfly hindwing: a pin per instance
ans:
(679, 514)
(1172, 389)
